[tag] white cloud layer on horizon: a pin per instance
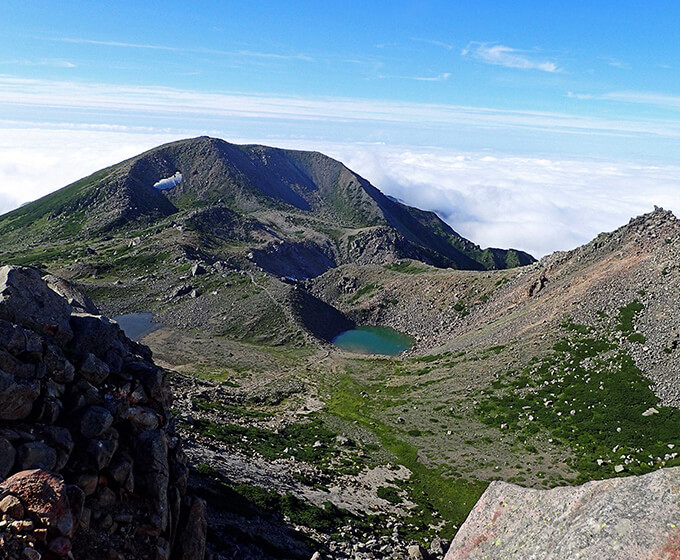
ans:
(537, 205)
(37, 161)
(501, 55)
(142, 102)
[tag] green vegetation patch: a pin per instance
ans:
(37, 256)
(437, 495)
(143, 261)
(429, 358)
(589, 394)
(626, 317)
(460, 307)
(390, 493)
(405, 267)
(363, 291)
(310, 441)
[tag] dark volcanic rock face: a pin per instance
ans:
(630, 518)
(89, 464)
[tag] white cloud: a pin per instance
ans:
(535, 204)
(651, 98)
(239, 53)
(438, 78)
(113, 101)
(616, 63)
(662, 100)
(81, 41)
(501, 55)
(446, 46)
(274, 56)
(168, 183)
(53, 62)
(580, 96)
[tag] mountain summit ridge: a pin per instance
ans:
(305, 199)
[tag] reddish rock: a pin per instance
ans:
(43, 495)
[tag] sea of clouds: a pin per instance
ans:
(535, 204)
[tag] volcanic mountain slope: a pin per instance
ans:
(294, 213)
(629, 276)
(550, 374)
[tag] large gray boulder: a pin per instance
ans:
(27, 301)
(617, 519)
(76, 298)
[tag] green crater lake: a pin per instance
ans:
(373, 340)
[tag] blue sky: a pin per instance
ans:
(590, 88)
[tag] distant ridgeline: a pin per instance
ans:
(293, 213)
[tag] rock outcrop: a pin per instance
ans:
(633, 518)
(90, 466)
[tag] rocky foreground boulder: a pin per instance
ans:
(633, 518)
(90, 466)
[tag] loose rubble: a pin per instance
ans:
(90, 466)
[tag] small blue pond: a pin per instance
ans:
(373, 340)
(137, 325)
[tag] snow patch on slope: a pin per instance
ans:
(169, 182)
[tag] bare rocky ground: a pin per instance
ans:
(258, 387)
(90, 463)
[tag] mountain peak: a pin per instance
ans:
(318, 207)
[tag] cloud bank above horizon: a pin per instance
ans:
(535, 204)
